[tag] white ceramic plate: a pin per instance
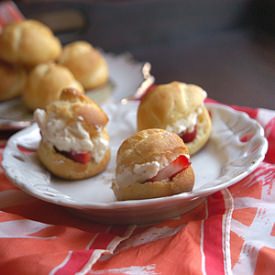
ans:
(222, 162)
(126, 77)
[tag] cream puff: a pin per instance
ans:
(74, 141)
(86, 63)
(179, 108)
(28, 43)
(152, 163)
(13, 79)
(45, 83)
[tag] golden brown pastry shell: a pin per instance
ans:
(12, 82)
(29, 43)
(204, 127)
(45, 84)
(86, 63)
(147, 146)
(168, 103)
(73, 104)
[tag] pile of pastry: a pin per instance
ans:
(172, 121)
(35, 65)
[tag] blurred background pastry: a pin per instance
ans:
(12, 82)
(28, 43)
(215, 44)
(179, 108)
(45, 83)
(152, 163)
(86, 63)
(74, 143)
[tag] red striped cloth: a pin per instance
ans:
(9, 13)
(232, 232)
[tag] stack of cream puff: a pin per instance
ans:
(86, 63)
(45, 83)
(28, 52)
(74, 141)
(24, 45)
(28, 43)
(177, 107)
(152, 163)
(12, 81)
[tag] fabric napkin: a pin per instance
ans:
(9, 13)
(231, 232)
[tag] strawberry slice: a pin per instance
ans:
(188, 136)
(175, 167)
(83, 157)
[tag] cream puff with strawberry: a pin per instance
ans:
(74, 141)
(179, 108)
(152, 163)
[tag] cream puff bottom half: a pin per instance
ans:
(66, 168)
(182, 182)
(204, 127)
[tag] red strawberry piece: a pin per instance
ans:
(149, 89)
(188, 136)
(175, 167)
(83, 157)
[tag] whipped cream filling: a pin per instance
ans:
(140, 173)
(185, 124)
(70, 137)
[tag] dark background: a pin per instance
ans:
(225, 46)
